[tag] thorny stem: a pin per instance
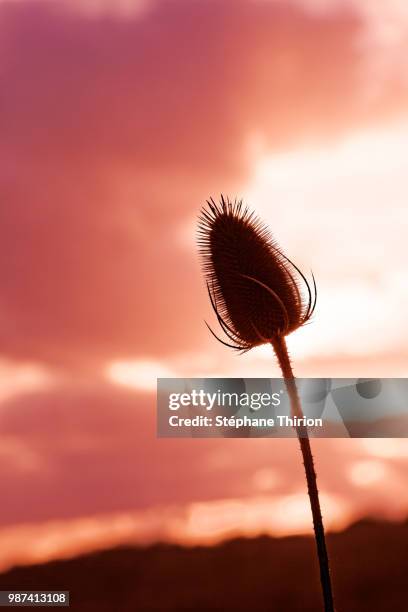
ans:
(281, 351)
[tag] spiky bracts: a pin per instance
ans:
(257, 293)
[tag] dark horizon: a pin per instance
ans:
(244, 573)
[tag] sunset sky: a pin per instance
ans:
(118, 119)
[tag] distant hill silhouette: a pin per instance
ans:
(369, 563)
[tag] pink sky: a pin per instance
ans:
(117, 121)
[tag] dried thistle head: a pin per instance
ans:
(255, 290)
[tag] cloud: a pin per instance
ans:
(84, 450)
(81, 470)
(114, 130)
(194, 524)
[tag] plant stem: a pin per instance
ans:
(281, 351)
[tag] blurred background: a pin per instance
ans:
(118, 118)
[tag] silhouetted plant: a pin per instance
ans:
(257, 294)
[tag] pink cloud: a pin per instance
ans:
(86, 450)
(75, 451)
(81, 469)
(115, 130)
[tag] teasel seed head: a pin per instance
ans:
(257, 293)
